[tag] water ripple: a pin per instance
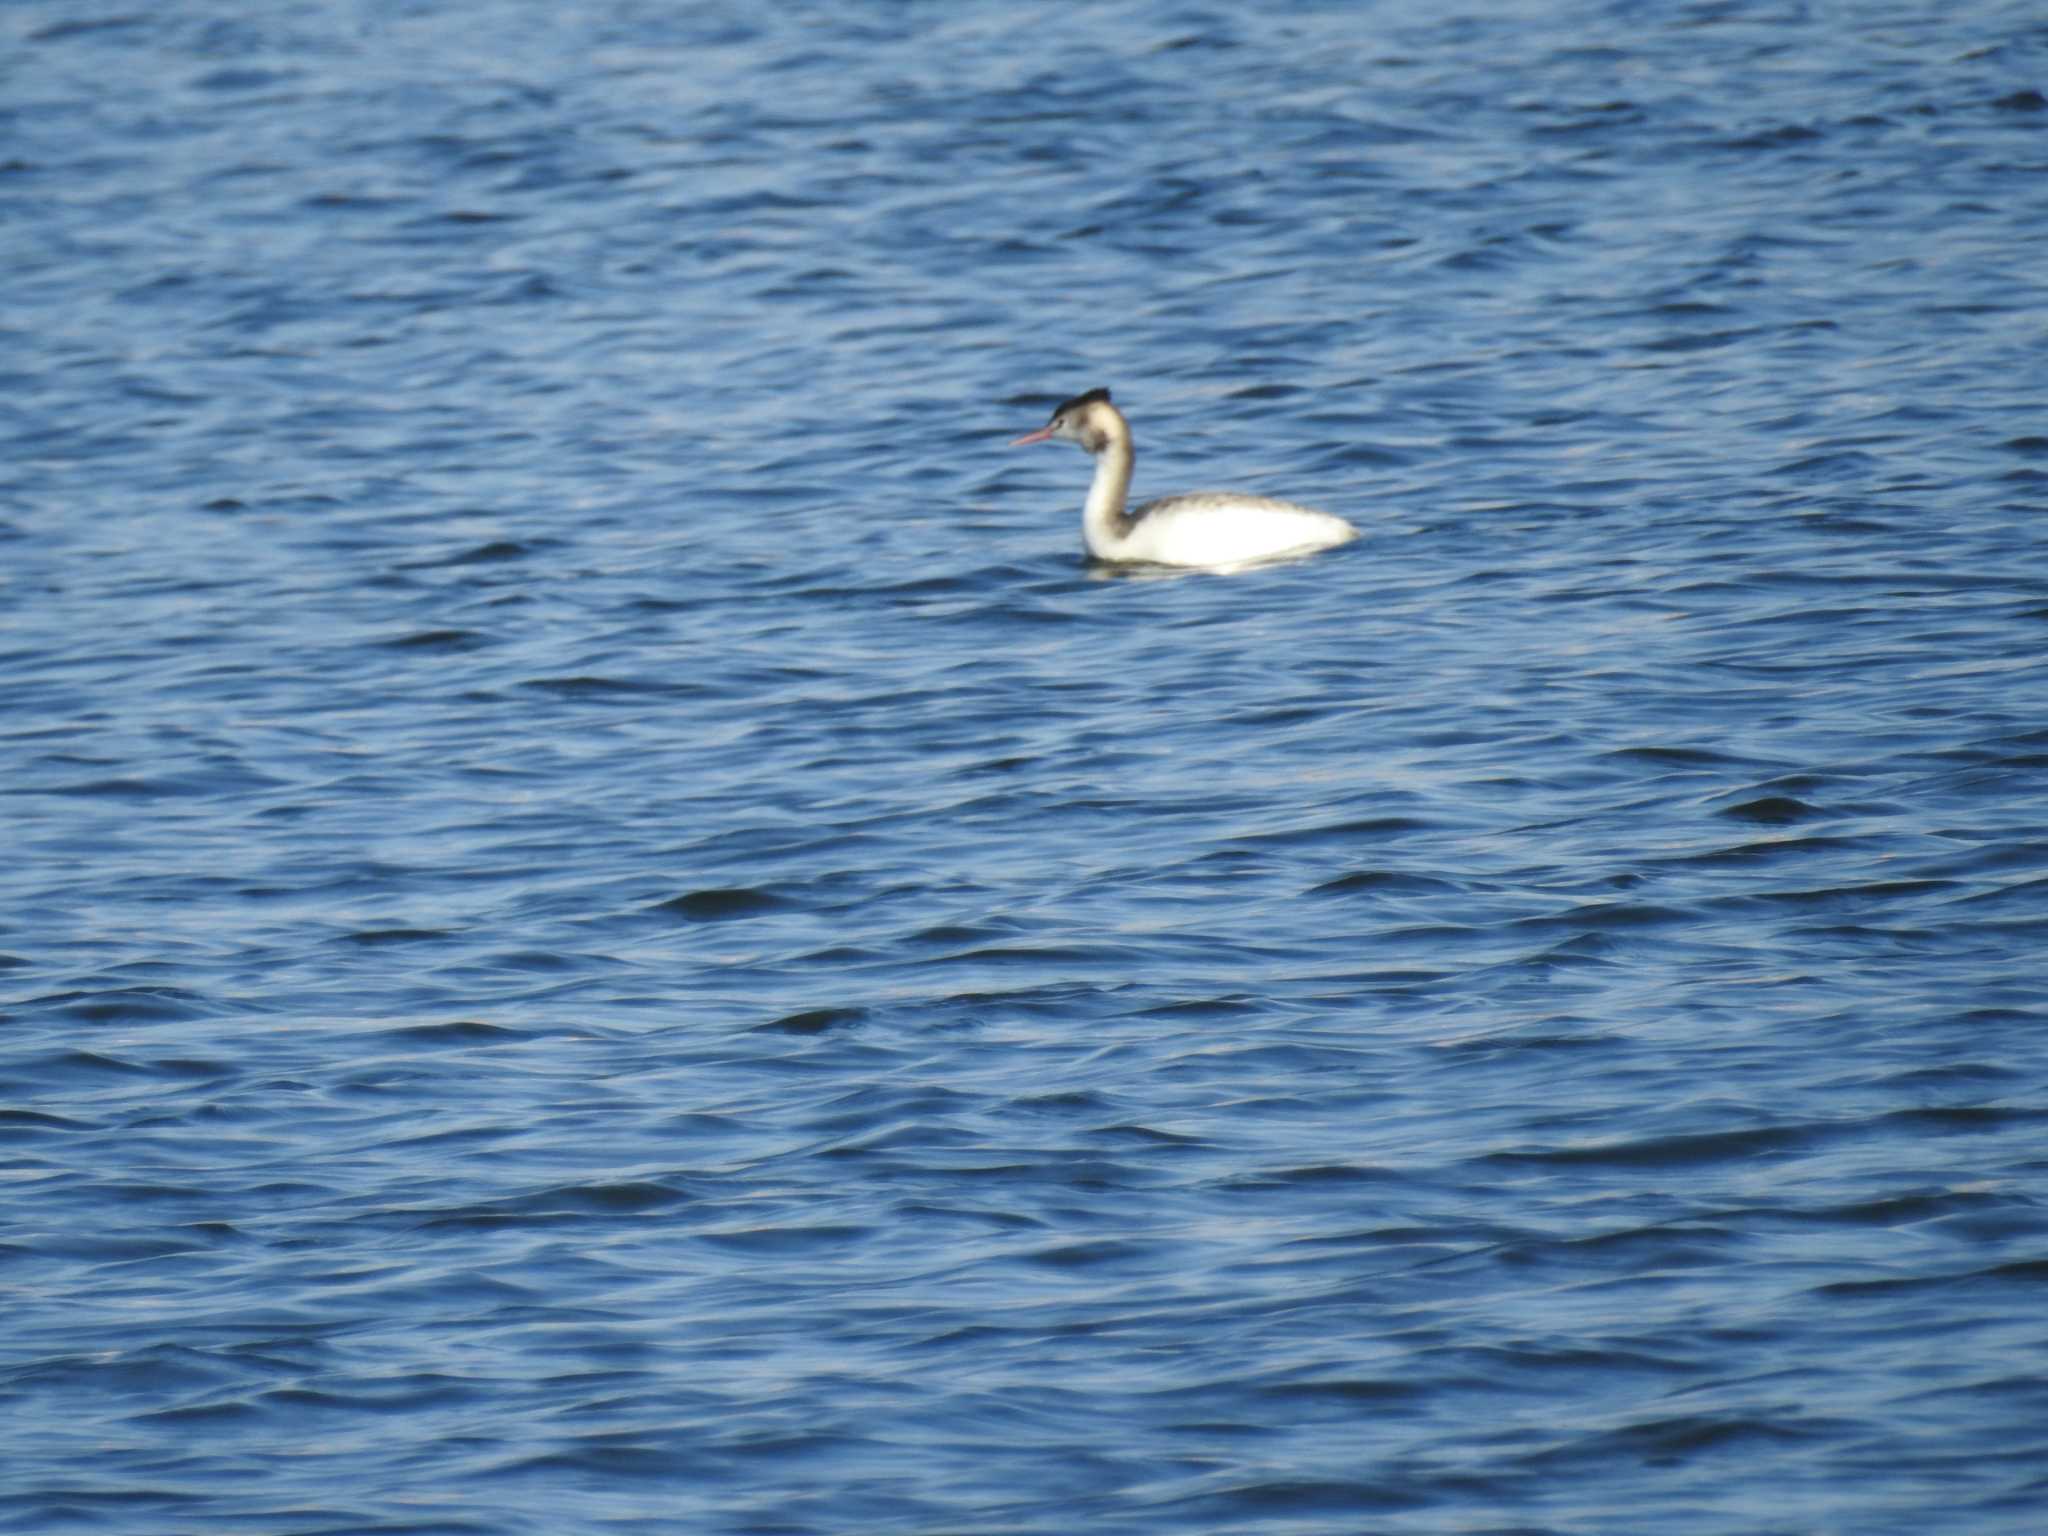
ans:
(606, 926)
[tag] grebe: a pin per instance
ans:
(1212, 528)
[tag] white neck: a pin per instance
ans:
(1103, 524)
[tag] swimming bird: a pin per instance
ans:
(1208, 528)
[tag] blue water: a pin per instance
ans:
(604, 927)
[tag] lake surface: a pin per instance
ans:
(606, 928)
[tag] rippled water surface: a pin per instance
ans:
(605, 928)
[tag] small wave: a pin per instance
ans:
(813, 1021)
(1772, 810)
(723, 904)
(1682, 1151)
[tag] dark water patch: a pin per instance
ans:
(1397, 881)
(1965, 1119)
(1675, 757)
(598, 690)
(379, 937)
(634, 1198)
(607, 1457)
(455, 1034)
(1772, 810)
(1895, 1211)
(1788, 136)
(438, 640)
(1677, 1440)
(722, 904)
(537, 962)
(495, 552)
(196, 1069)
(209, 1415)
(814, 1021)
(1097, 1258)
(146, 1195)
(118, 789)
(2022, 1275)
(814, 1239)
(242, 79)
(1013, 956)
(24, 1124)
(1680, 1151)
(1337, 1398)
(1228, 1006)
(64, 31)
(119, 1005)
(370, 1398)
